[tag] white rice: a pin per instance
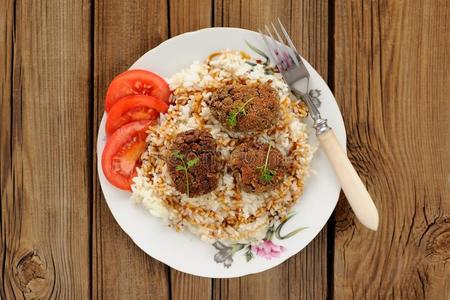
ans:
(204, 216)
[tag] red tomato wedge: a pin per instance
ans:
(134, 108)
(122, 153)
(136, 82)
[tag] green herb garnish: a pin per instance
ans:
(185, 166)
(266, 173)
(233, 115)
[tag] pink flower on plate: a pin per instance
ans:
(267, 249)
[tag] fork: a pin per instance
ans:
(294, 72)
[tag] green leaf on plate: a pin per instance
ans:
(260, 52)
(290, 234)
(249, 254)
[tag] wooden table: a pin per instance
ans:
(388, 64)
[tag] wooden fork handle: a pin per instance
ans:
(354, 189)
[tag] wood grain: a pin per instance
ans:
(6, 192)
(124, 31)
(303, 276)
(185, 286)
(185, 16)
(393, 91)
(189, 15)
(44, 177)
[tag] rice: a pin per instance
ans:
(227, 214)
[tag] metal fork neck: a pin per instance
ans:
(320, 124)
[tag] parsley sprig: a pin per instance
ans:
(235, 112)
(267, 174)
(185, 166)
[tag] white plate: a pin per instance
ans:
(184, 251)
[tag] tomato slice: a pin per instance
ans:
(134, 108)
(122, 153)
(136, 82)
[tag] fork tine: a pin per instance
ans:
(280, 40)
(270, 47)
(281, 56)
(291, 44)
(288, 57)
(276, 51)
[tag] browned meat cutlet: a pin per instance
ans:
(245, 108)
(193, 156)
(247, 162)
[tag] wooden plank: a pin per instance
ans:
(185, 16)
(6, 192)
(391, 78)
(124, 31)
(189, 15)
(309, 29)
(45, 193)
(304, 276)
(185, 286)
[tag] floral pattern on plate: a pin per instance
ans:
(265, 248)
